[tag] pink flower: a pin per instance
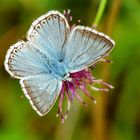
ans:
(79, 81)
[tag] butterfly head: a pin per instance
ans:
(67, 77)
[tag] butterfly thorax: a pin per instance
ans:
(59, 70)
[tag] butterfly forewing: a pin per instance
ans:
(85, 47)
(50, 32)
(24, 59)
(42, 91)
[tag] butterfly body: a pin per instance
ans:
(51, 52)
(58, 69)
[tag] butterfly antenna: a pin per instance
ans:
(67, 15)
(69, 18)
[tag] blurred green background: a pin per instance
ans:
(116, 116)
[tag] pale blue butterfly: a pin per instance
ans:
(51, 52)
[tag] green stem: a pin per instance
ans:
(100, 12)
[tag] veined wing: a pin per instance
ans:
(50, 32)
(42, 91)
(85, 47)
(24, 59)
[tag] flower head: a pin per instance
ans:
(79, 82)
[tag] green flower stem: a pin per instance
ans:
(100, 12)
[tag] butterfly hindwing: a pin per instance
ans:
(42, 91)
(50, 32)
(85, 47)
(24, 59)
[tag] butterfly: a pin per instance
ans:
(50, 53)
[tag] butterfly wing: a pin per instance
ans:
(50, 33)
(45, 41)
(42, 91)
(24, 59)
(85, 47)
